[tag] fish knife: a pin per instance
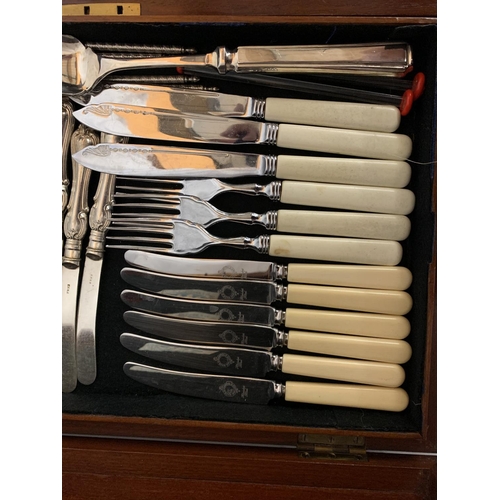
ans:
(259, 391)
(169, 162)
(150, 123)
(254, 363)
(357, 276)
(265, 337)
(354, 323)
(356, 116)
(267, 292)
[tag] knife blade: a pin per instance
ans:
(176, 163)
(357, 276)
(257, 364)
(356, 116)
(266, 292)
(99, 221)
(259, 391)
(75, 228)
(265, 337)
(151, 123)
(351, 323)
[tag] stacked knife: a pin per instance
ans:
(351, 318)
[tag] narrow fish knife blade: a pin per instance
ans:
(212, 359)
(204, 332)
(216, 387)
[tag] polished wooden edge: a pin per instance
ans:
(221, 19)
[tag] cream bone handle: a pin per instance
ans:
(345, 370)
(350, 224)
(354, 171)
(350, 395)
(357, 276)
(353, 299)
(349, 250)
(358, 143)
(348, 197)
(355, 116)
(362, 324)
(350, 346)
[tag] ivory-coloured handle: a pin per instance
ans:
(351, 224)
(358, 116)
(384, 326)
(359, 143)
(358, 276)
(356, 251)
(348, 197)
(345, 370)
(350, 346)
(352, 299)
(355, 171)
(351, 395)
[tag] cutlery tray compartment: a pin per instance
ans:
(115, 395)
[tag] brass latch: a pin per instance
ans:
(102, 9)
(332, 447)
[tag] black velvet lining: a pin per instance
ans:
(113, 393)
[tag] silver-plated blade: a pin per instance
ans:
(205, 332)
(169, 285)
(70, 278)
(204, 268)
(175, 163)
(170, 99)
(202, 385)
(150, 123)
(212, 359)
(87, 310)
(200, 310)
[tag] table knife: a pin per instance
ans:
(99, 221)
(358, 276)
(265, 337)
(75, 228)
(267, 292)
(259, 391)
(363, 324)
(151, 123)
(356, 116)
(254, 363)
(175, 163)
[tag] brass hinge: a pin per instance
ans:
(332, 447)
(102, 9)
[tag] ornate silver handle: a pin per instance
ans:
(100, 213)
(68, 125)
(76, 220)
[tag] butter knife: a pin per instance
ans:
(99, 221)
(75, 228)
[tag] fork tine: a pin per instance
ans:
(165, 230)
(161, 195)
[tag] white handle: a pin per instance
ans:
(357, 116)
(380, 277)
(384, 326)
(351, 299)
(360, 143)
(350, 346)
(351, 224)
(345, 370)
(351, 395)
(356, 251)
(355, 171)
(348, 197)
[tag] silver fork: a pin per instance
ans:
(180, 237)
(350, 224)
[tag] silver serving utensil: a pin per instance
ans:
(350, 224)
(68, 125)
(181, 237)
(82, 68)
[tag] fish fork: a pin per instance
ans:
(350, 224)
(180, 237)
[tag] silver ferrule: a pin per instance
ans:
(269, 134)
(281, 338)
(268, 219)
(280, 271)
(258, 108)
(271, 190)
(279, 317)
(276, 362)
(261, 243)
(279, 390)
(268, 165)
